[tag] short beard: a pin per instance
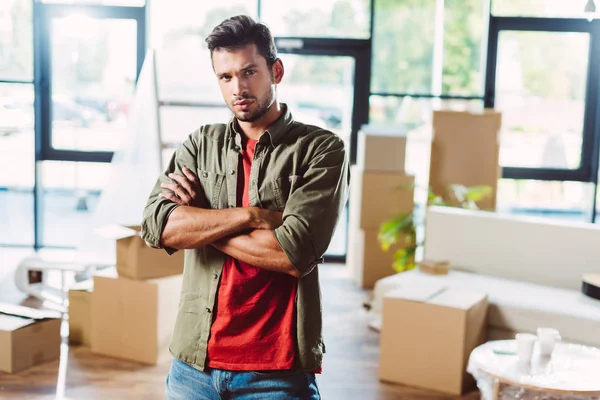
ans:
(262, 107)
(260, 112)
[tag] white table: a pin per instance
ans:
(572, 372)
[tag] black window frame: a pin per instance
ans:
(43, 15)
(588, 168)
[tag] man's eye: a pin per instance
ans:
(225, 78)
(251, 72)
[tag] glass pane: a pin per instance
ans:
(406, 57)
(539, 8)
(16, 164)
(70, 197)
(319, 90)
(403, 46)
(465, 24)
(178, 122)
(16, 39)
(314, 18)
(93, 79)
(560, 200)
(128, 3)
(178, 30)
(540, 89)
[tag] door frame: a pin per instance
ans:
(360, 50)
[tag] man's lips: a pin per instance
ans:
(244, 104)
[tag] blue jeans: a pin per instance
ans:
(187, 383)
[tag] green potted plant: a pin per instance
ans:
(402, 227)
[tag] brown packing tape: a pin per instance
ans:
(434, 267)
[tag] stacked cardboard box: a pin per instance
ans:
(133, 306)
(465, 150)
(28, 337)
(379, 190)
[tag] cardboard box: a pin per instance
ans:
(465, 150)
(80, 313)
(136, 260)
(133, 319)
(427, 335)
(376, 197)
(366, 259)
(433, 267)
(381, 149)
(28, 337)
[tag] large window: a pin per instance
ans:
(16, 123)
(93, 77)
(16, 164)
(542, 75)
(541, 81)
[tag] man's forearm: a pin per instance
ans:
(192, 227)
(258, 248)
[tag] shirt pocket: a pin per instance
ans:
(212, 184)
(282, 188)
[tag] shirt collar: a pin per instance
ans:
(275, 133)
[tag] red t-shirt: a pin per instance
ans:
(254, 327)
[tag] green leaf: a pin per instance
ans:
(391, 230)
(404, 260)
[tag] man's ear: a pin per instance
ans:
(277, 71)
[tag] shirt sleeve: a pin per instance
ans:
(312, 211)
(157, 209)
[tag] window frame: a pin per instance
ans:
(588, 168)
(44, 13)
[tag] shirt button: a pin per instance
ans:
(205, 174)
(215, 275)
(208, 310)
(237, 148)
(232, 172)
(231, 206)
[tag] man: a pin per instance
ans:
(255, 202)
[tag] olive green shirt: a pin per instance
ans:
(298, 169)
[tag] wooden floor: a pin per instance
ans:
(350, 365)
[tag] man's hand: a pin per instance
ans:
(265, 219)
(186, 190)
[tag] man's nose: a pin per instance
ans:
(239, 87)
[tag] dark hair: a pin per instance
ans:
(239, 31)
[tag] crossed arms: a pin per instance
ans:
(243, 233)
(291, 242)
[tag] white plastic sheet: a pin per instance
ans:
(134, 170)
(571, 368)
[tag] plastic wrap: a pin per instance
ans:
(134, 169)
(571, 372)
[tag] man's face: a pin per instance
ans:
(247, 84)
